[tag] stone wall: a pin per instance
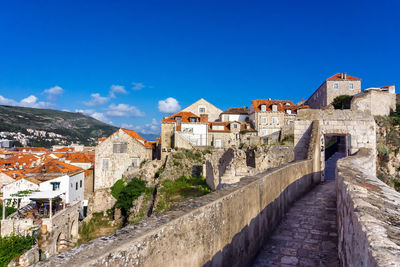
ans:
(16, 227)
(224, 228)
(228, 166)
(377, 103)
(29, 257)
(106, 174)
(368, 214)
(61, 231)
(357, 125)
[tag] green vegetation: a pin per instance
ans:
(342, 102)
(182, 188)
(14, 246)
(97, 226)
(125, 192)
(207, 151)
(23, 193)
(9, 210)
(189, 154)
(395, 116)
(288, 139)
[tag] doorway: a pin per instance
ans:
(336, 147)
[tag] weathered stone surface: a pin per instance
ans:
(368, 214)
(226, 227)
(303, 236)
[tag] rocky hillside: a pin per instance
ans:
(73, 127)
(388, 145)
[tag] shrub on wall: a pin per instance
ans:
(13, 246)
(342, 102)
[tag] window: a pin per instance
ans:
(351, 86)
(80, 183)
(76, 187)
(288, 111)
(135, 161)
(105, 164)
(275, 120)
(218, 127)
(202, 109)
(287, 104)
(335, 85)
(263, 108)
(218, 143)
(56, 186)
(237, 136)
(235, 125)
(120, 147)
(274, 107)
(263, 120)
(178, 122)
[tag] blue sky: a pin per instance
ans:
(115, 60)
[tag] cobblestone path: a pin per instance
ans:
(307, 235)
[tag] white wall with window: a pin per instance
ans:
(195, 133)
(234, 117)
(263, 120)
(335, 86)
(275, 120)
(72, 185)
(202, 109)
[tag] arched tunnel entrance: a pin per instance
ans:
(336, 147)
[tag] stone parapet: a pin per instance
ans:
(224, 228)
(368, 214)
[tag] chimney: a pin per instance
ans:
(345, 75)
(203, 117)
(341, 75)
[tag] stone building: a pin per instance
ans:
(235, 114)
(270, 116)
(122, 149)
(378, 101)
(338, 84)
(229, 133)
(202, 107)
(183, 130)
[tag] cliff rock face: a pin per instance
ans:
(388, 148)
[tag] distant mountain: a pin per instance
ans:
(73, 127)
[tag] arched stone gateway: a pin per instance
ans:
(352, 129)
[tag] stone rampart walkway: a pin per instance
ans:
(307, 235)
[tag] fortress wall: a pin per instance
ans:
(224, 228)
(367, 213)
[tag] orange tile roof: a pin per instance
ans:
(87, 172)
(280, 104)
(242, 110)
(15, 174)
(19, 160)
(135, 135)
(65, 149)
(33, 149)
(338, 76)
(101, 139)
(185, 116)
(78, 157)
(54, 166)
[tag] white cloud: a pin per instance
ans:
(53, 92)
(138, 86)
(30, 101)
(94, 114)
(96, 100)
(123, 110)
(117, 89)
(149, 128)
(169, 105)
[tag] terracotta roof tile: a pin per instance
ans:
(242, 110)
(338, 76)
(135, 135)
(280, 104)
(185, 116)
(54, 166)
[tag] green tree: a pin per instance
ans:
(342, 102)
